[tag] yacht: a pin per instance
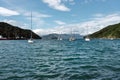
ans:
(87, 37)
(31, 39)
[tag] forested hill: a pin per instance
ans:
(111, 31)
(13, 32)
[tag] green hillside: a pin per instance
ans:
(112, 31)
(13, 32)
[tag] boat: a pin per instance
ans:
(2, 38)
(72, 38)
(31, 39)
(59, 37)
(111, 38)
(87, 37)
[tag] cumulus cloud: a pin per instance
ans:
(98, 15)
(56, 4)
(83, 28)
(7, 12)
(89, 1)
(71, 2)
(16, 23)
(44, 31)
(38, 18)
(39, 15)
(60, 22)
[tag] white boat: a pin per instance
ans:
(111, 38)
(72, 38)
(59, 37)
(31, 39)
(87, 38)
(2, 38)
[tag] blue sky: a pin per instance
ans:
(61, 16)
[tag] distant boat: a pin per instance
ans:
(111, 38)
(72, 38)
(2, 38)
(59, 37)
(31, 39)
(87, 37)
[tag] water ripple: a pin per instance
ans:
(60, 60)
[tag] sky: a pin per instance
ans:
(61, 16)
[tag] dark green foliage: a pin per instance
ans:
(112, 31)
(12, 32)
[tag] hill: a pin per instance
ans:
(111, 31)
(11, 32)
(64, 36)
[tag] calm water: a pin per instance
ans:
(60, 60)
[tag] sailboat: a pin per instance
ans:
(87, 38)
(31, 39)
(59, 37)
(71, 38)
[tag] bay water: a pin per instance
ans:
(98, 59)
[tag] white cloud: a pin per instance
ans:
(89, 1)
(37, 18)
(71, 2)
(36, 14)
(16, 23)
(56, 4)
(60, 22)
(7, 12)
(44, 31)
(91, 26)
(98, 15)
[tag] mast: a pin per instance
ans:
(30, 40)
(31, 26)
(87, 31)
(87, 37)
(71, 33)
